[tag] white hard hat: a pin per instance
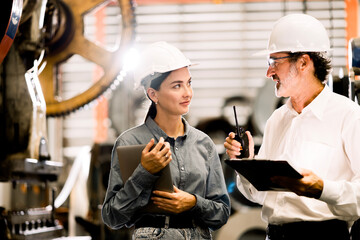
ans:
(297, 33)
(158, 57)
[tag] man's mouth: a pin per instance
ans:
(275, 78)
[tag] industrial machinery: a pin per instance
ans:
(354, 69)
(37, 36)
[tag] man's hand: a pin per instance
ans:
(309, 186)
(155, 159)
(176, 202)
(233, 147)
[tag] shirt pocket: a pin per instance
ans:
(316, 157)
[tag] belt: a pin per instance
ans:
(165, 222)
(330, 230)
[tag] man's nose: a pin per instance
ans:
(270, 72)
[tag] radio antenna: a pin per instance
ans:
(236, 122)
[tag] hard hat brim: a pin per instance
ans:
(268, 52)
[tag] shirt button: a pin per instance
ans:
(182, 168)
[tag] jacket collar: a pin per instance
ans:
(158, 132)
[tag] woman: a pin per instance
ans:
(200, 201)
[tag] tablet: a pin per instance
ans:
(259, 171)
(129, 158)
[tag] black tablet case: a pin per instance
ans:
(129, 158)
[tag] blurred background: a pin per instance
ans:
(67, 92)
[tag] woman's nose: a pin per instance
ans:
(188, 91)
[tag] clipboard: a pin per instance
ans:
(129, 157)
(259, 172)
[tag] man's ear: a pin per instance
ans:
(305, 61)
(152, 94)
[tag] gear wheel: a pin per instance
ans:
(69, 40)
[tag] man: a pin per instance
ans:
(317, 131)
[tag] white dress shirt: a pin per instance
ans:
(324, 138)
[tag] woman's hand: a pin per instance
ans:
(156, 158)
(233, 147)
(176, 202)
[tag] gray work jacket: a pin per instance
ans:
(195, 168)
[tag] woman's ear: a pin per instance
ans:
(152, 94)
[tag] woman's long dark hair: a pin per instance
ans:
(155, 84)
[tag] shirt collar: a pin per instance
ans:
(158, 132)
(317, 106)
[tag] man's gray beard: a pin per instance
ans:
(276, 92)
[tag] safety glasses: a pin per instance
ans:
(272, 60)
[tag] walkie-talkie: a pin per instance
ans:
(242, 138)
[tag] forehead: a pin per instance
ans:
(181, 74)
